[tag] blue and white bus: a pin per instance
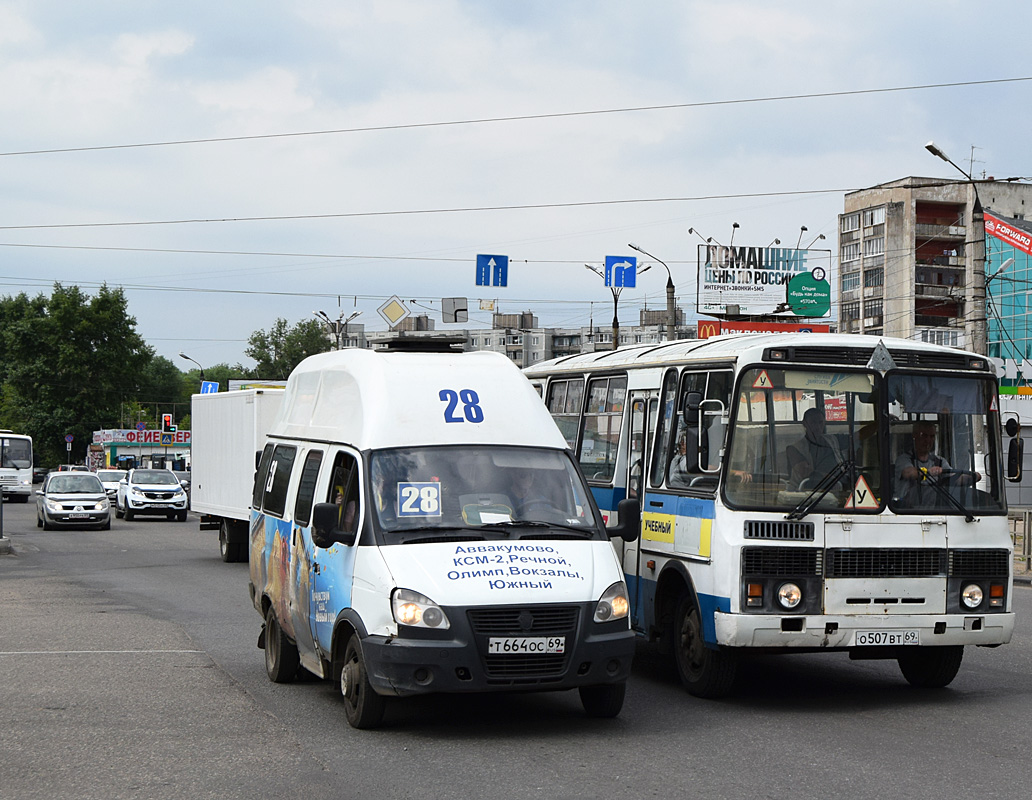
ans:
(798, 493)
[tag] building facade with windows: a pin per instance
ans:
(913, 259)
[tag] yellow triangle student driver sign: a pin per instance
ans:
(862, 496)
(762, 380)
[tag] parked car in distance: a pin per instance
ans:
(184, 479)
(151, 491)
(72, 500)
(72, 468)
(110, 479)
(39, 473)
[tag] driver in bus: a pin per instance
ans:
(913, 468)
(815, 454)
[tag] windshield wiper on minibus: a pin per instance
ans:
(831, 477)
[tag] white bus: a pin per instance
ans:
(15, 466)
(798, 493)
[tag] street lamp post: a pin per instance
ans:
(671, 309)
(979, 332)
(338, 326)
(199, 367)
(616, 300)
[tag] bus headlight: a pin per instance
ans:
(971, 595)
(613, 604)
(789, 595)
(418, 611)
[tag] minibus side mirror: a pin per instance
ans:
(629, 526)
(325, 518)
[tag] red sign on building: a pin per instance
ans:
(1016, 238)
(713, 327)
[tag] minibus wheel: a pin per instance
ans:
(603, 701)
(363, 707)
(932, 667)
(704, 672)
(281, 656)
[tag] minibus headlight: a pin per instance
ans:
(971, 597)
(613, 604)
(417, 611)
(789, 595)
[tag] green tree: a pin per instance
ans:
(69, 362)
(282, 348)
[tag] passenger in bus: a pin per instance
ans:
(920, 464)
(815, 454)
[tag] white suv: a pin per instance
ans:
(150, 491)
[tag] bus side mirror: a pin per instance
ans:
(690, 411)
(325, 533)
(1015, 448)
(629, 511)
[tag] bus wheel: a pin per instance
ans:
(363, 707)
(932, 667)
(603, 701)
(281, 656)
(704, 672)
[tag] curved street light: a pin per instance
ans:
(615, 290)
(979, 329)
(184, 355)
(671, 309)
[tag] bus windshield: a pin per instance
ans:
(814, 439)
(17, 454)
(476, 488)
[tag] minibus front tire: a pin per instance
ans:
(281, 656)
(363, 707)
(603, 702)
(704, 672)
(931, 667)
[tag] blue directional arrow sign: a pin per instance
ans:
(209, 387)
(492, 270)
(621, 271)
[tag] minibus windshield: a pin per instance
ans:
(485, 488)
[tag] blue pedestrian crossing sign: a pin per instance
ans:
(168, 439)
(621, 271)
(492, 270)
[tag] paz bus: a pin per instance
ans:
(798, 493)
(15, 466)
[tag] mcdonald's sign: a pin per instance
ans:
(713, 327)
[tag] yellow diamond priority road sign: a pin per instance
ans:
(393, 311)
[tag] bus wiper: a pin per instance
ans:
(944, 492)
(831, 477)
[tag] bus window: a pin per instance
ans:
(666, 424)
(564, 404)
(601, 431)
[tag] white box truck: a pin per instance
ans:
(228, 432)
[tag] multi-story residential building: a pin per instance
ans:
(912, 257)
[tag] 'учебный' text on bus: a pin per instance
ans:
(808, 492)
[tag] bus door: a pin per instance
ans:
(643, 405)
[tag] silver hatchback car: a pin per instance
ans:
(72, 500)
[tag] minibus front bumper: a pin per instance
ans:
(844, 631)
(460, 661)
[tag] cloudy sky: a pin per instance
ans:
(383, 145)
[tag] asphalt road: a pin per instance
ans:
(128, 669)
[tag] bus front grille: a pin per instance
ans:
(893, 562)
